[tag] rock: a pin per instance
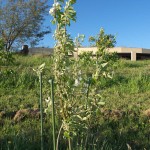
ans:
(20, 115)
(147, 112)
(26, 113)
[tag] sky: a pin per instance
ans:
(128, 20)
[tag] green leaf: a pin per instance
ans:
(109, 76)
(41, 67)
(104, 65)
(101, 103)
(66, 134)
(72, 2)
(79, 117)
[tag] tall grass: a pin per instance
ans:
(121, 121)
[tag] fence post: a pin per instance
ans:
(41, 111)
(53, 113)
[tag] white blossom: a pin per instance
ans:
(76, 82)
(56, 5)
(52, 11)
(47, 100)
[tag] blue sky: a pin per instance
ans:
(129, 20)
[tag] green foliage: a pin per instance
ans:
(63, 16)
(1, 44)
(78, 88)
(103, 40)
(78, 40)
(5, 57)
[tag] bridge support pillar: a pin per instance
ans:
(133, 56)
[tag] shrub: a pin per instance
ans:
(5, 57)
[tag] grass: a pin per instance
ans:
(122, 120)
(130, 85)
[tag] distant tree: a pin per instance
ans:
(21, 21)
(103, 40)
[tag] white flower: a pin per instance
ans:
(47, 100)
(67, 5)
(56, 4)
(76, 82)
(52, 11)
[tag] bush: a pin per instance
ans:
(5, 57)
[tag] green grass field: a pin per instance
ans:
(124, 120)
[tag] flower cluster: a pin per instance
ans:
(56, 7)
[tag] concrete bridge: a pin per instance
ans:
(124, 52)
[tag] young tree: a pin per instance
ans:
(21, 21)
(77, 81)
(103, 42)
